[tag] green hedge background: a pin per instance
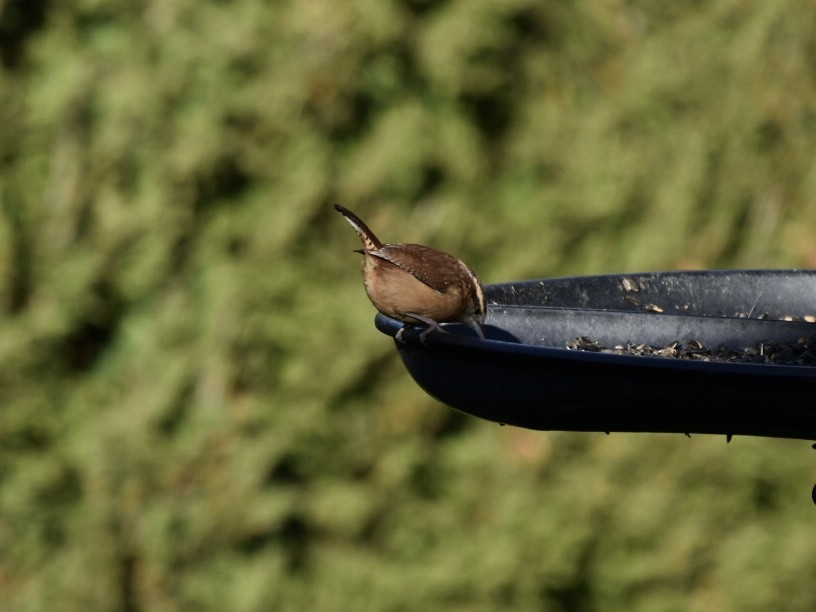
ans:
(196, 412)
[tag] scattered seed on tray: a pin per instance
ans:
(801, 353)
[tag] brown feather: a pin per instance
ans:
(437, 269)
(370, 240)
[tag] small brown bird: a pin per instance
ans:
(414, 283)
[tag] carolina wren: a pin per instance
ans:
(414, 283)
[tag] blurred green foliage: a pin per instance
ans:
(195, 410)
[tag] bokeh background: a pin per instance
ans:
(196, 411)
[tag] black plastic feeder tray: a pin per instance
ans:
(524, 374)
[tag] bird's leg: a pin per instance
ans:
(430, 323)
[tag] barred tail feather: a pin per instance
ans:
(370, 240)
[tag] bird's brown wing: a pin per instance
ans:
(437, 269)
